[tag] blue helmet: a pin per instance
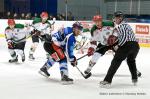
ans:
(77, 25)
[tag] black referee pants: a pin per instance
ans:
(129, 50)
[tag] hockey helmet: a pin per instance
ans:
(119, 14)
(11, 22)
(97, 18)
(44, 14)
(77, 25)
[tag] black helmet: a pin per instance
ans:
(118, 14)
(77, 25)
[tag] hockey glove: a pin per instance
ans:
(91, 51)
(74, 62)
(10, 44)
(36, 32)
(111, 40)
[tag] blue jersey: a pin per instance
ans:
(65, 39)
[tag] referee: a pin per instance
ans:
(128, 48)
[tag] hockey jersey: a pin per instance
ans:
(45, 28)
(18, 34)
(101, 35)
(65, 39)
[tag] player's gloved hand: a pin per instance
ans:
(91, 51)
(111, 40)
(10, 44)
(36, 32)
(74, 62)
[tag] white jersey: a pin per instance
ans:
(18, 34)
(101, 35)
(44, 28)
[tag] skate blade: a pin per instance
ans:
(66, 82)
(107, 86)
(14, 62)
(134, 84)
(43, 74)
(31, 59)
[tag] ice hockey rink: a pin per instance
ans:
(22, 81)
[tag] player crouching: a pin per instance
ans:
(60, 49)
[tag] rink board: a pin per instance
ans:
(141, 30)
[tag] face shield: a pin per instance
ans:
(77, 31)
(117, 20)
(11, 26)
(44, 19)
(98, 23)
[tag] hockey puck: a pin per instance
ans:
(139, 74)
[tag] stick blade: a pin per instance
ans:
(87, 76)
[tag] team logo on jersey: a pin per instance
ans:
(17, 30)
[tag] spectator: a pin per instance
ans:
(15, 16)
(70, 17)
(28, 16)
(8, 15)
(1, 15)
(22, 16)
(35, 15)
(60, 17)
(50, 17)
(84, 18)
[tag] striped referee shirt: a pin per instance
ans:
(125, 33)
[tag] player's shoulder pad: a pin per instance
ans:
(48, 22)
(108, 23)
(68, 30)
(20, 26)
(7, 28)
(36, 20)
(86, 30)
(93, 29)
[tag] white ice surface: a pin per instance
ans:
(22, 81)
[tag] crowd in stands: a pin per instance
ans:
(29, 16)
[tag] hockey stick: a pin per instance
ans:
(88, 75)
(24, 38)
(82, 56)
(85, 76)
(87, 54)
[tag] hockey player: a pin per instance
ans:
(126, 48)
(100, 33)
(43, 27)
(61, 49)
(16, 38)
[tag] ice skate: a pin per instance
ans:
(43, 71)
(23, 58)
(13, 60)
(65, 80)
(105, 84)
(31, 57)
(88, 70)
